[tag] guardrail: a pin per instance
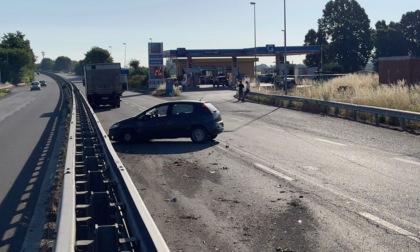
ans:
(375, 111)
(100, 209)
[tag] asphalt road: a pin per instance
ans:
(28, 121)
(277, 179)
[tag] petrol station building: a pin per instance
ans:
(230, 62)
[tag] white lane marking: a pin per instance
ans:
(273, 172)
(330, 142)
(262, 167)
(309, 167)
(237, 119)
(390, 226)
(272, 128)
(408, 161)
(139, 107)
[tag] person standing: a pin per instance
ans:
(184, 84)
(247, 89)
(240, 91)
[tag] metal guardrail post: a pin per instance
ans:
(141, 232)
(66, 219)
(403, 116)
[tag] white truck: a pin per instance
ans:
(102, 82)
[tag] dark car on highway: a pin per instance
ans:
(35, 86)
(199, 120)
(220, 80)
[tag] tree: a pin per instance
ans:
(94, 55)
(79, 67)
(62, 63)
(389, 40)
(410, 28)
(315, 38)
(134, 64)
(17, 59)
(47, 64)
(97, 55)
(347, 29)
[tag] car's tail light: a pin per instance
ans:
(205, 108)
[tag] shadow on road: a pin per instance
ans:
(18, 205)
(163, 147)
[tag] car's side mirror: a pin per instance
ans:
(144, 117)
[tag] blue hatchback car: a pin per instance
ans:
(199, 120)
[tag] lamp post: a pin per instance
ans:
(125, 52)
(150, 40)
(285, 51)
(255, 43)
(110, 47)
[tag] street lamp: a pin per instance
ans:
(125, 52)
(150, 40)
(285, 51)
(255, 43)
(110, 47)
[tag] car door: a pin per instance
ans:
(180, 119)
(153, 123)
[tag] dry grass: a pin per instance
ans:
(362, 89)
(161, 91)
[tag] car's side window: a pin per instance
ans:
(162, 111)
(182, 109)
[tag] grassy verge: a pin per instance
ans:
(5, 90)
(360, 89)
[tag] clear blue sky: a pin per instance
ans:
(71, 28)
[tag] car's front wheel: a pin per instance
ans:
(127, 136)
(199, 135)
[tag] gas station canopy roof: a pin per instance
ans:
(268, 50)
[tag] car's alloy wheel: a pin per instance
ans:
(199, 135)
(127, 136)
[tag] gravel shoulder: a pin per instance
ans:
(202, 201)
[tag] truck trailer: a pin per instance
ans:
(103, 84)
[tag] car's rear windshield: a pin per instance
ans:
(211, 107)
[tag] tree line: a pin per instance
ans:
(348, 43)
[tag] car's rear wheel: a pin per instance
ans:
(199, 135)
(127, 137)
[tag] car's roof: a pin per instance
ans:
(183, 101)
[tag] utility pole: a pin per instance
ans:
(255, 44)
(285, 52)
(125, 53)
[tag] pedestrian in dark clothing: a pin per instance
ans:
(241, 91)
(247, 89)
